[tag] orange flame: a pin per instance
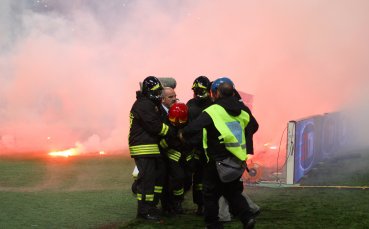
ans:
(65, 153)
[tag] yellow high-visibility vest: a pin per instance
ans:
(231, 129)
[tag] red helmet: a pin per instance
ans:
(178, 114)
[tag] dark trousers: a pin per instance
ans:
(174, 187)
(197, 185)
(150, 182)
(213, 189)
(176, 179)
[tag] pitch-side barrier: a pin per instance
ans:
(312, 140)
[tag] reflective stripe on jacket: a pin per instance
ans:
(146, 128)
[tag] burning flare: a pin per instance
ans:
(65, 153)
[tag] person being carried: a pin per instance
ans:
(173, 191)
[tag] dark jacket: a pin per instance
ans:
(250, 130)
(146, 126)
(216, 150)
(196, 106)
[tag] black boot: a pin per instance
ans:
(249, 224)
(149, 216)
(148, 212)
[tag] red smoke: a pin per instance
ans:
(70, 74)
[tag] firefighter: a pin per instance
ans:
(224, 126)
(174, 152)
(201, 100)
(146, 129)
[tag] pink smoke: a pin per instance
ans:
(70, 76)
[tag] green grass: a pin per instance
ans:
(65, 192)
(94, 192)
(62, 209)
(291, 208)
(23, 173)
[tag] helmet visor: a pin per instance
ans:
(201, 92)
(156, 94)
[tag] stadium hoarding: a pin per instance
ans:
(312, 140)
(303, 149)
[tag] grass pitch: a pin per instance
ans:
(85, 192)
(94, 192)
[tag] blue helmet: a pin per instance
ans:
(218, 82)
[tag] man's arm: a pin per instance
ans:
(192, 133)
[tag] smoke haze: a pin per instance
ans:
(69, 70)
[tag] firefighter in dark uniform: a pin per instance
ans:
(146, 129)
(175, 154)
(224, 126)
(201, 100)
